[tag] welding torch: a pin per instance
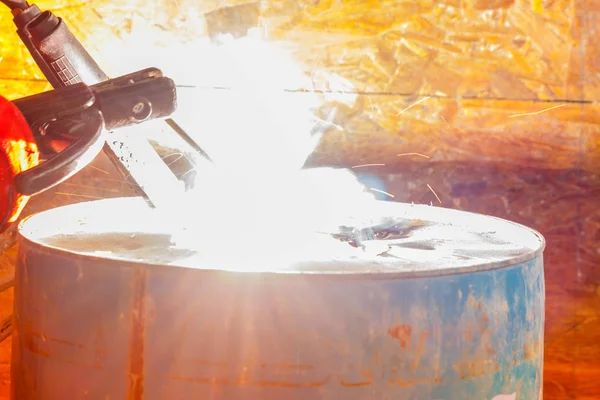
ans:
(67, 124)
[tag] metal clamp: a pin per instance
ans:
(79, 114)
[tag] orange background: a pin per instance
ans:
(509, 119)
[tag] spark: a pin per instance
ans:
(372, 106)
(122, 181)
(367, 165)
(99, 169)
(90, 187)
(434, 193)
(414, 104)
(537, 112)
(382, 192)
(79, 195)
(447, 124)
(413, 154)
(366, 93)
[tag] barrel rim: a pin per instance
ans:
(368, 270)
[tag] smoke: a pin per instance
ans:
(242, 115)
(259, 136)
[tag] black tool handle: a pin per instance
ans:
(123, 101)
(69, 161)
(58, 53)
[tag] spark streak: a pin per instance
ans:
(99, 169)
(536, 112)
(447, 124)
(414, 104)
(79, 195)
(367, 165)
(382, 192)
(434, 193)
(90, 187)
(412, 154)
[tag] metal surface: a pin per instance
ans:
(90, 324)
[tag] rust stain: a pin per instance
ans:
(244, 375)
(485, 320)
(403, 383)
(366, 374)
(355, 384)
(31, 341)
(402, 333)
(54, 340)
(486, 342)
(135, 390)
(476, 368)
(468, 333)
(66, 343)
(529, 350)
(420, 348)
(474, 303)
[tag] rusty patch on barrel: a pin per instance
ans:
(135, 390)
(402, 333)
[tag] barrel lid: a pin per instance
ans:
(408, 239)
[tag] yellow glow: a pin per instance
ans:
(22, 155)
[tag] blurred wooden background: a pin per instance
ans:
(501, 96)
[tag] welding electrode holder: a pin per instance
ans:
(64, 127)
(77, 115)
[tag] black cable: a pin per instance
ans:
(186, 138)
(14, 4)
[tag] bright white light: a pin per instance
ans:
(259, 136)
(241, 105)
(256, 126)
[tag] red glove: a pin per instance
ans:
(18, 152)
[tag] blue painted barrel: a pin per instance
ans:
(452, 308)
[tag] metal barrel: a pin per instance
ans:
(106, 308)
